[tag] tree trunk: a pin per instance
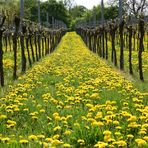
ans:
(9, 40)
(1, 60)
(36, 47)
(39, 46)
(6, 42)
(17, 23)
(130, 50)
(141, 48)
(100, 48)
(106, 41)
(103, 47)
(23, 54)
(28, 52)
(42, 46)
(121, 27)
(32, 50)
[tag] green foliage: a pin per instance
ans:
(78, 14)
(78, 11)
(111, 12)
(6, 6)
(57, 9)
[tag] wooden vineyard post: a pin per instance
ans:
(95, 41)
(130, 30)
(90, 35)
(1, 52)
(43, 47)
(30, 36)
(39, 43)
(134, 36)
(141, 46)
(113, 28)
(103, 47)
(48, 43)
(6, 40)
(23, 48)
(15, 36)
(28, 52)
(121, 28)
(100, 47)
(36, 47)
(106, 43)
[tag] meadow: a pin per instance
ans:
(73, 98)
(135, 77)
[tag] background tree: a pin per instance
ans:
(7, 6)
(133, 7)
(56, 9)
(136, 7)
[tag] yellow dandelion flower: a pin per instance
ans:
(142, 132)
(56, 142)
(23, 141)
(56, 136)
(42, 111)
(41, 136)
(67, 132)
(107, 132)
(3, 116)
(66, 145)
(5, 140)
(81, 141)
(130, 136)
(33, 137)
(116, 122)
(57, 128)
(141, 142)
(99, 115)
(145, 138)
(49, 140)
(132, 119)
(57, 118)
(101, 145)
(133, 125)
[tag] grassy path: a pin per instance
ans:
(73, 99)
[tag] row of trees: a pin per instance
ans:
(122, 33)
(54, 8)
(34, 41)
(70, 13)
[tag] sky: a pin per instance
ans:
(88, 3)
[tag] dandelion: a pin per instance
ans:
(56, 136)
(3, 117)
(41, 136)
(130, 136)
(67, 132)
(141, 142)
(33, 137)
(56, 142)
(57, 128)
(132, 119)
(5, 140)
(23, 141)
(49, 140)
(81, 141)
(120, 143)
(145, 138)
(42, 111)
(66, 145)
(100, 145)
(106, 133)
